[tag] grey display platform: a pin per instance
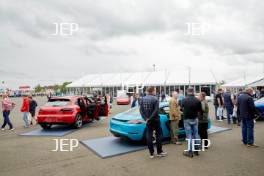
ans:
(216, 129)
(111, 146)
(58, 130)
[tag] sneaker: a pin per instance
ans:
(252, 146)
(219, 120)
(188, 154)
(2, 129)
(151, 156)
(12, 129)
(162, 154)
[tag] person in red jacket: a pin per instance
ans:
(25, 110)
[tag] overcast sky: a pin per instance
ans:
(127, 36)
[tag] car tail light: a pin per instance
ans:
(67, 110)
(40, 111)
(135, 122)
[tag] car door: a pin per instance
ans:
(164, 121)
(82, 105)
(84, 108)
(92, 108)
(103, 107)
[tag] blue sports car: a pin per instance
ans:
(260, 107)
(132, 126)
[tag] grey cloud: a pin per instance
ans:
(94, 49)
(31, 23)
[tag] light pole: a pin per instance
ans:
(154, 67)
(189, 75)
(3, 86)
(245, 78)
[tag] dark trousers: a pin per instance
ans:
(238, 119)
(216, 117)
(229, 111)
(248, 130)
(202, 130)
(151, 126)
(6, 119)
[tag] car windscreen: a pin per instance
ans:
(57, 102)
(122, 96)
(162, 110)
(260, 100)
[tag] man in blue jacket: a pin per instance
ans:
(149, 110)
(247, 111)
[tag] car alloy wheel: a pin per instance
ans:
(45, 125)
(78, 121)
(48, 125)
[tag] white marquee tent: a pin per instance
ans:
(252, 81)
(163, 80)
(179, 77)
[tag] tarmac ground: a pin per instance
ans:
(31, 156)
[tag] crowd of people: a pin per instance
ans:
(28, 110)
(194, 111)
(240, 110)
(226, 100)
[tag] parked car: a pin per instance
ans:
(132, 126)
(260, 107)
(71, 110)
(123, 100)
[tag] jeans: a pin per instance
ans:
(191, 130)
(151, 126)
(229, 112)
(219, 112)
(25, 118)
(7, 120)
(248, 131)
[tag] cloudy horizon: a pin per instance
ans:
(128, 36)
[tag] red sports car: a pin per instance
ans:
(123, 100)
(71, 110)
